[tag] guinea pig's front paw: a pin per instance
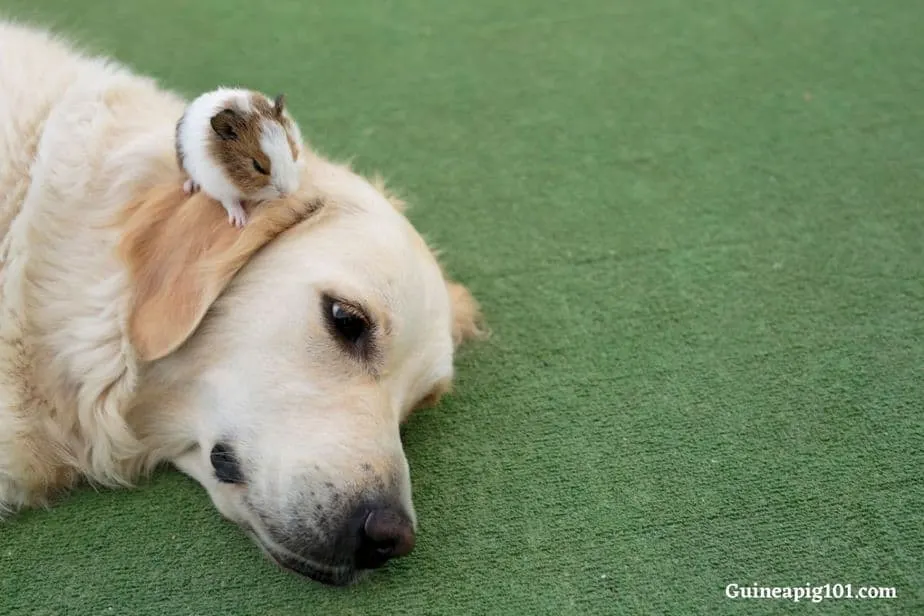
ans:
(236, 214)
(190, 187)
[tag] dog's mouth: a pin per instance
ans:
(333, 575)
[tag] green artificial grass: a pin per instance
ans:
(696, 229)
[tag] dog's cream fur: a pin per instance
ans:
(137, 327)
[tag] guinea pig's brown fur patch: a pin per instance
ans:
(235, 142)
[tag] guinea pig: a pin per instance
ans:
(238, 145)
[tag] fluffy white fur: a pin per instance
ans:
(314, 428)
(210, 176)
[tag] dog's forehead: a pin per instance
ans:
(379, 255)
(365, 248)
(364, 230)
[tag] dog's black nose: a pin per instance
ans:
(385, 533)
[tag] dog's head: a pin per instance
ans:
(281, 359)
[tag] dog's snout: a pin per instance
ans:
(225, 464)
(384, 533)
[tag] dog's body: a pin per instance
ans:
(121, 311)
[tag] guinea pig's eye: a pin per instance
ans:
(259, 168)
(348, 324)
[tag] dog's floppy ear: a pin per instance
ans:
(467, 323)
(181, 252)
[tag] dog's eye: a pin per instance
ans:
(259, 168)
(350, 324)
(227, 468)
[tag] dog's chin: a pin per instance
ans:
(340, 576)
(332, 575)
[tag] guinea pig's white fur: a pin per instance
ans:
(195, 133)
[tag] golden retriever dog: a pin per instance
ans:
(273, 364)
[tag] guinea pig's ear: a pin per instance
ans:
(279, 104)
(181, 253)
(226, 123)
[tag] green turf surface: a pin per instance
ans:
(696, 229)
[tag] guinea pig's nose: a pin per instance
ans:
(286, 187)
(386, 533)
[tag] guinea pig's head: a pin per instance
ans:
(256, 143)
